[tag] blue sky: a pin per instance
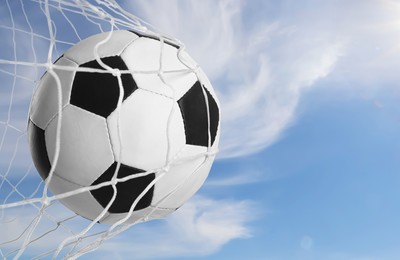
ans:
(310, 145)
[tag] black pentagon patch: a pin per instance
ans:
(166, 40)
(214, 115)
(127, 191)
(194, 111)
(99, 92)
(38, 149)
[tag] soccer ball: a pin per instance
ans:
(160, 122)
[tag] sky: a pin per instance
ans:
(310, 122)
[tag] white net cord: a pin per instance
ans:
(33, 223)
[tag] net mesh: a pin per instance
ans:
(34, 33)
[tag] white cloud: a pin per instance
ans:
(258, 70)
(262, 56)
(241, 177)
(22, 45)
(306, 243)
(201, 227)
(261, 68)
(16, 222)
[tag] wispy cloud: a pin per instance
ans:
(258, 70)
(51, 230)
(200, 227)
(238, 178)
(15, 96)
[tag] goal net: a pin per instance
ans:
(33, 34)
